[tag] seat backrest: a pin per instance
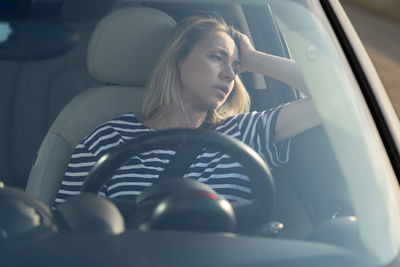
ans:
(33, 92)
(122, 52)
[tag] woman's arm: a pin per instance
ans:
(283, 69)
(295, 117)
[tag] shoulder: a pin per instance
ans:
(240, 119)
(245, 121)
(253, 117)
(123, 127)
(233, 125)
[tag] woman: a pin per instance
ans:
(195, 84)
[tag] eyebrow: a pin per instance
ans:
(223, 52)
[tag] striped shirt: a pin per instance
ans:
(219, 171)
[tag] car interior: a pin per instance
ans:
(53, 97)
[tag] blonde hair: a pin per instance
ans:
(164, 87)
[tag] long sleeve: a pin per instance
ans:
(258, 131)
(81, 162)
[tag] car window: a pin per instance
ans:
(338, 186)
(350, 130)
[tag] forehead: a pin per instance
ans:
(220, 41)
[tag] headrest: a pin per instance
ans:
(126, 44)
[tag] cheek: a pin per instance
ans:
(196, 71)
(185, 75)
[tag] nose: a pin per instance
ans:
(228, 73)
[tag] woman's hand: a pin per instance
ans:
(246, 52)
(283, 69)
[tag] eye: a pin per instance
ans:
(216, 57)
(236, 67)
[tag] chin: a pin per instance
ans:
(215, 106)
(211, 105)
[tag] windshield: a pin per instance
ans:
(351, 133)
(333, 180)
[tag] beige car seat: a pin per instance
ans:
(122, 52)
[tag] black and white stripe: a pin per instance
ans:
(219, 171)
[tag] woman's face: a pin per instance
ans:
(208, 72)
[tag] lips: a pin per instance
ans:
(223, 89)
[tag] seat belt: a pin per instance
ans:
(180, 163)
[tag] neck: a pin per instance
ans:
(176, 118)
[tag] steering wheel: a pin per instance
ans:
(248, 213)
